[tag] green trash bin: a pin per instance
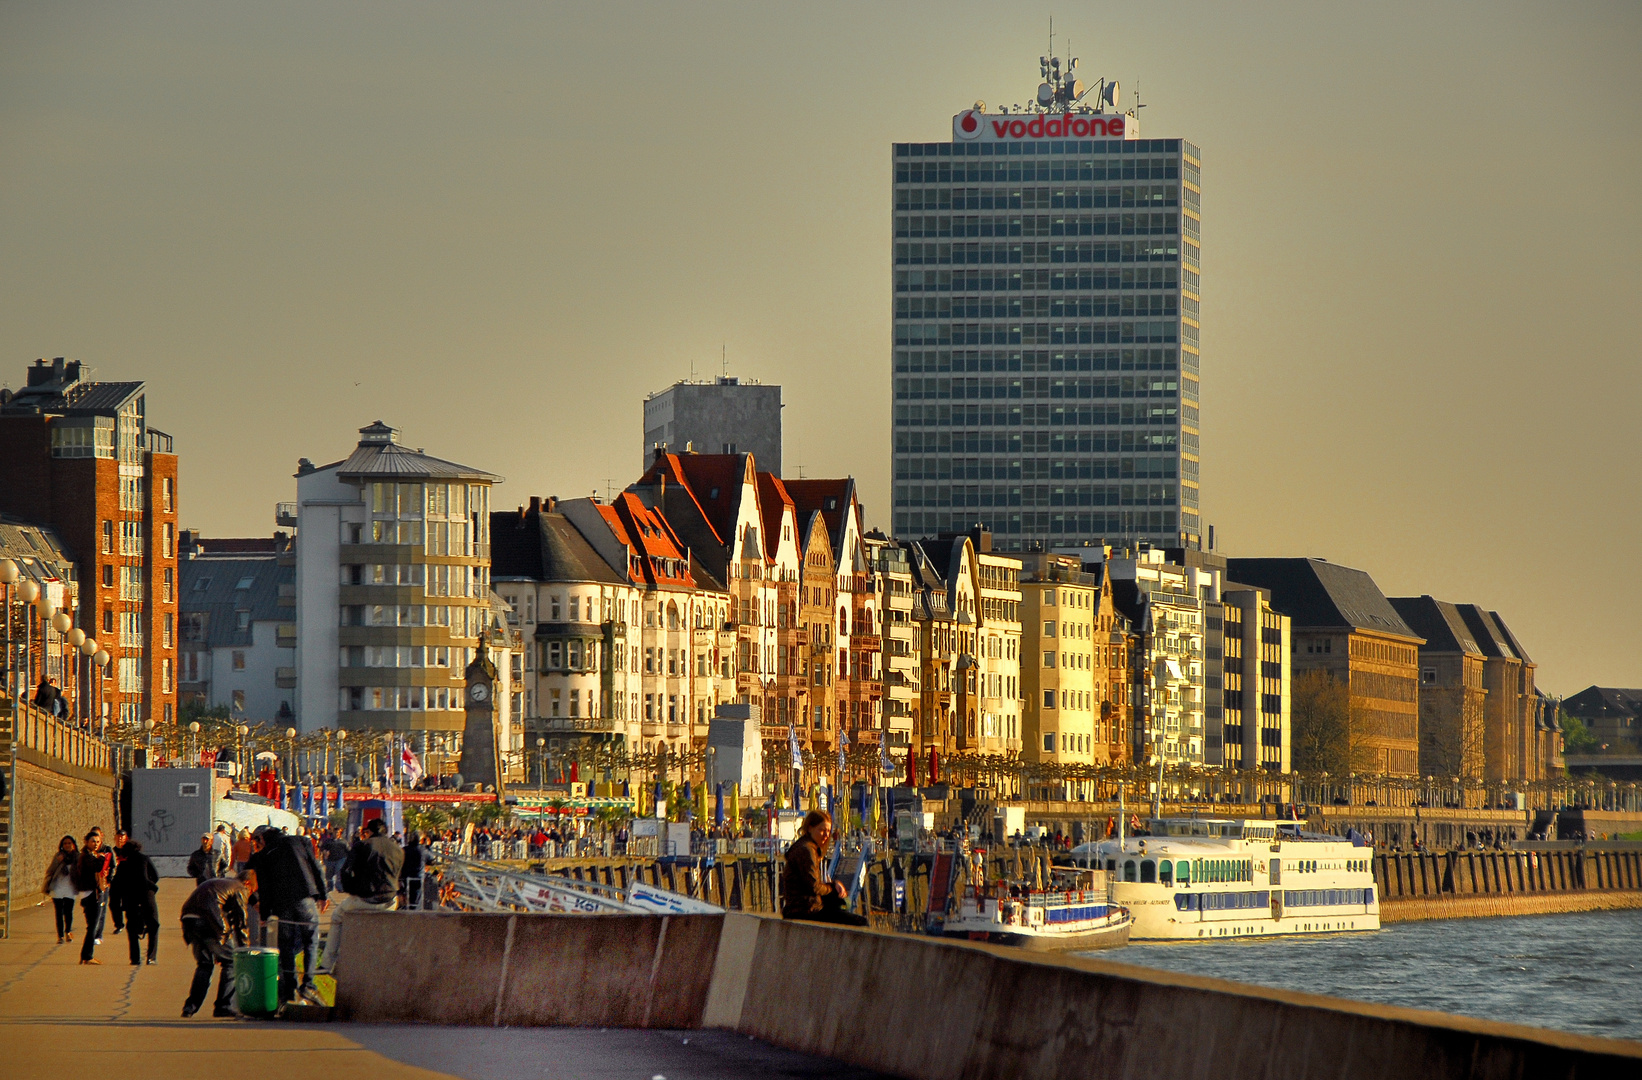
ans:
(256, 981)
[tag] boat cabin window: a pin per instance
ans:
(1165, 872)
(1148, 871)
(1129, 870)
(1111, 866)
(1183, 872)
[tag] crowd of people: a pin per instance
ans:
(242, 878)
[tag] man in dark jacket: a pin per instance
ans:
(213, 922)
(410, 871)
(291, 888)
(135, 884)
(201, 864)
(370, 877)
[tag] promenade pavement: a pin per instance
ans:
(57, 1018)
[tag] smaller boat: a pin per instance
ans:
(1074, 912)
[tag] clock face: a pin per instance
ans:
(479, 692)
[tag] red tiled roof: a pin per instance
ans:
(813, 496)
(773, 502)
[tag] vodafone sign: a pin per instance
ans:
(972, 124)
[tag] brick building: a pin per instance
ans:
(78, 455)
(1343, 624)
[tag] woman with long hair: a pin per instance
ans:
(59, 885)
(806, 892)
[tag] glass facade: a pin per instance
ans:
(1046, 357)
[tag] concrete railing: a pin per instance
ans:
(911, 1006)
(43, 733)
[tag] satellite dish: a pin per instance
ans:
(1075, 89)
(1046, 94)
(1109, 93)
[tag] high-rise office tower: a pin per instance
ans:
(724, 416)
(1046, 278)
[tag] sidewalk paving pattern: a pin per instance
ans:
(57, 1017)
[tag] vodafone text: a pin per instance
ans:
(971, 124)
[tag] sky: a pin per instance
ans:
(498, 226)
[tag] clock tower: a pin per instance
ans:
(481, 761)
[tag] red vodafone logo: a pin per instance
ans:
(973, 124)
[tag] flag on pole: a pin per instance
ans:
(792, 745)
(886, 764)
(308, 799)
(410, 766)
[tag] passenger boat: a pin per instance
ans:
(1074, 912)
(1201, 878)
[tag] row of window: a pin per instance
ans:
(988, 360)
(462, 621)
(399, 698)
(1037, 281)
(428, 500)
(400, 656)
(927, 334)
(1042, 442)
(944, 416)
(1091, 468)
(1056, 530)
(980, 253)
(1044, 198)
(1003, 495)
(442, 579)
(958, 226)
(1041, 307)
(978, 389)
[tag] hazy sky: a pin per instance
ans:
(497, 226)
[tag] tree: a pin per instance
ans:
(1576, 737)
(1320, 724)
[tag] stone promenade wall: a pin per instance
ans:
(915, 1007)
(53, 803)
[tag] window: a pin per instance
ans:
(238, 661)
(1048, 659)
(1049, 628)
(169, 622)
(165, 673)
(242, 620)
(166, 495)
(1049, 742)
(1049, 597)
(169, 537)
(1049, 699)
(166, 597)
(108, 577)
(108, 537)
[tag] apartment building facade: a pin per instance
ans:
(237, 616)
(393, 595)
(78, 455)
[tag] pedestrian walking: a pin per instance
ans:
(202, 863)
(111, 904)
(290, 887)
(59, 885)
(213, 922)
(241, 849)
(806, 893)
(135, 883)
(370, 877)
(221, 852)
(91, 885)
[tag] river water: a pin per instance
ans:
(1580, 972)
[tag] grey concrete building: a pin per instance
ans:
(725, 416)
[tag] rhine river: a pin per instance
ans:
(1579, 973)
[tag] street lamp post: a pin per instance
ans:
(541, 767)
(148, 740)
(8, 577)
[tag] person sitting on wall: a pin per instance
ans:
(806, 893)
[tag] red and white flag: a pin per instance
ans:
(409, 765)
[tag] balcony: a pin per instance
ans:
(801, 636)
(285, 678)
(285, 514)
(868, 642)
(285, 636)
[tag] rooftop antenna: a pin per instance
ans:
(724, 358)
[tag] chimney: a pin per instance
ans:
(535, 504)
(552, 504)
